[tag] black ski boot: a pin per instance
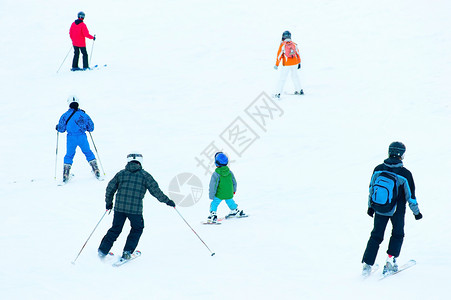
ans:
(126, 255)
(95, 168)
(66, 172)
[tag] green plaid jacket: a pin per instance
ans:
(131, 185)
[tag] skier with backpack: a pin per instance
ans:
(391, 188)
(76, 122)
(223, 187)
(288, 54)
(78, 32)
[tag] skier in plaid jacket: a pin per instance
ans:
(130, 186)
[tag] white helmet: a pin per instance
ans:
(135, 156)
(72, 98)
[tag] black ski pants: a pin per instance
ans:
(137, 227)
(377, 236)
(77, 55)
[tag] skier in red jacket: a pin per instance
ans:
(78, 32)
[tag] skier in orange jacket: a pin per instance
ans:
(291, 60)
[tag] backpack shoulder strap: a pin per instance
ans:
(70, 116)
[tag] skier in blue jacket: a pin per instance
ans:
(76, 122)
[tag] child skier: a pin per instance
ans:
(223, 187)
(76, 122)
(403, 192)
(291, 60)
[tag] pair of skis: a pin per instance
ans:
(403, 267)
(96, 67)
(121, 261)
(219, 220)
(100, 178)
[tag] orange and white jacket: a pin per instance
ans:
(287, 61)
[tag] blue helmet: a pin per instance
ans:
(221, 159)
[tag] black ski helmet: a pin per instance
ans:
(81, 15)
(286, 35)
(396, 149)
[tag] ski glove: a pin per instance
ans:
(299, 66)
(276, 67)
(56, 127)
(370, 212)
(94, 37)
(419, 216)
(109, 206)
(171, 203)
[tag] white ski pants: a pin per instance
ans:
(285, 70)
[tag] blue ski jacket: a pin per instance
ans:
(77, 125)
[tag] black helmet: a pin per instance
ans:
(396, 149)
(286, 35)
(81, 15)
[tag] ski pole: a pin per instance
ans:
(92, 49)
(96, 152)
(56, 157)
(90, 236)
(212, 253)
(64, 59)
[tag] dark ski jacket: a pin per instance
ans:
(131, 185)
(406, 191)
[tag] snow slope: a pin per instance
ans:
(179, 73)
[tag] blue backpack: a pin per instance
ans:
(383, 192)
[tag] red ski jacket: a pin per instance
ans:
(78, 32)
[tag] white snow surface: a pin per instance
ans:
(179, 73)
